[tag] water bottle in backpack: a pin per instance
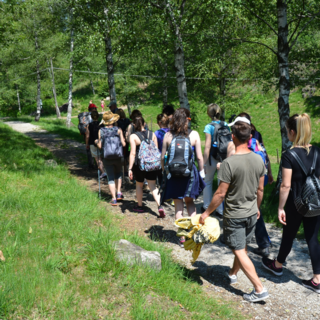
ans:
(111, 143)
(180, 158)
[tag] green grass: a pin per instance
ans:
(60, 262)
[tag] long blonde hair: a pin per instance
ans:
(301, 125)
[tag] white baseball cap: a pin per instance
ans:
(242, 119)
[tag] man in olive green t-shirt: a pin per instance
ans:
(241, 185)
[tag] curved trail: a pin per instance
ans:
(288, 299)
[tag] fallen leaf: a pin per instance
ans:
(2, 258)
(30, 230)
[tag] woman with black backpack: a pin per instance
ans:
(294, 180)
(112, 141)
(183, 180)
(135, 169)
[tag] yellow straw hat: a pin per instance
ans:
(109, 118)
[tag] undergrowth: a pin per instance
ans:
(57, 238)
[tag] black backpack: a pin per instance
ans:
(84, 120)
(180, 158)
(221, 139)
(308, 202)
(111, 143)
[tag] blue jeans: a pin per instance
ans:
(262, 237)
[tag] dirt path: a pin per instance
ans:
(288, 299)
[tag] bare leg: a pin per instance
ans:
(236, 265)
(118, 185)
(248, 268)
(316, 278)
(154, 190)
(112, 188)
(191, 208)
(99, 164)
(178, 205)
(139, 192)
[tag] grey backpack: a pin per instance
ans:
(111, 143)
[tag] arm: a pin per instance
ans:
(98, 142)
(129, 131)
(87, 137)
(207, 148)
(164, 149)
(198, 150)
(284, 193)
(260, 194)
(270, 176)
(154, 139)
(132, 155)
(217, 199)
(123, 142)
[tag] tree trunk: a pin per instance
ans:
(18, 98)
(54, 90)
(110, 68)
(180, 74)
(91, 82)
(283, 63)
(38, 115)
(70, 81)
(165, 86)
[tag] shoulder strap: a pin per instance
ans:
(140, 136)
(315, 156)
(216, 126)
(150, 135)
(294, 154)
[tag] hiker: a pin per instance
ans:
(183, 180)
(210, 162)
(261, 233)
(102, 105)
(131, 129)
(123, 123)
(168, 110)
(163, 122)
(241, 185)
(92, 135)
(293, 180)
(92, 107)
(111, 141)
(138, 139)
(113, 106)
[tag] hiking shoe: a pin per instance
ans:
(264, 252)
(138, 209)
(114, 202)
(255, 297)
(161, 212)
(310, 284)
(233, 279)
(120, 196)
(271, 266)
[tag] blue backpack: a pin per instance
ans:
(253, 146)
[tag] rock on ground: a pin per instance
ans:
(133, 254)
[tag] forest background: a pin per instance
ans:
(244, 55)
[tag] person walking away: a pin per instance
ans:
(183, 180)
(102, 105)
(293, 180)
(163, 122)
(210, 162)
(113, 106)
(168, 110)
(111, 141)
(92, 135)
(123, 123)
(131, 129)
(261, 233)
(241, 185)
(136, 139)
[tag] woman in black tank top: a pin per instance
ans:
(293, 178)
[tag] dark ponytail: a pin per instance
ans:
(138, 123)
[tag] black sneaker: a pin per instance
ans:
(271, 266)
(264, 252)
(310, 284)
(138, 209)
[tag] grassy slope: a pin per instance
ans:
(57, 240)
